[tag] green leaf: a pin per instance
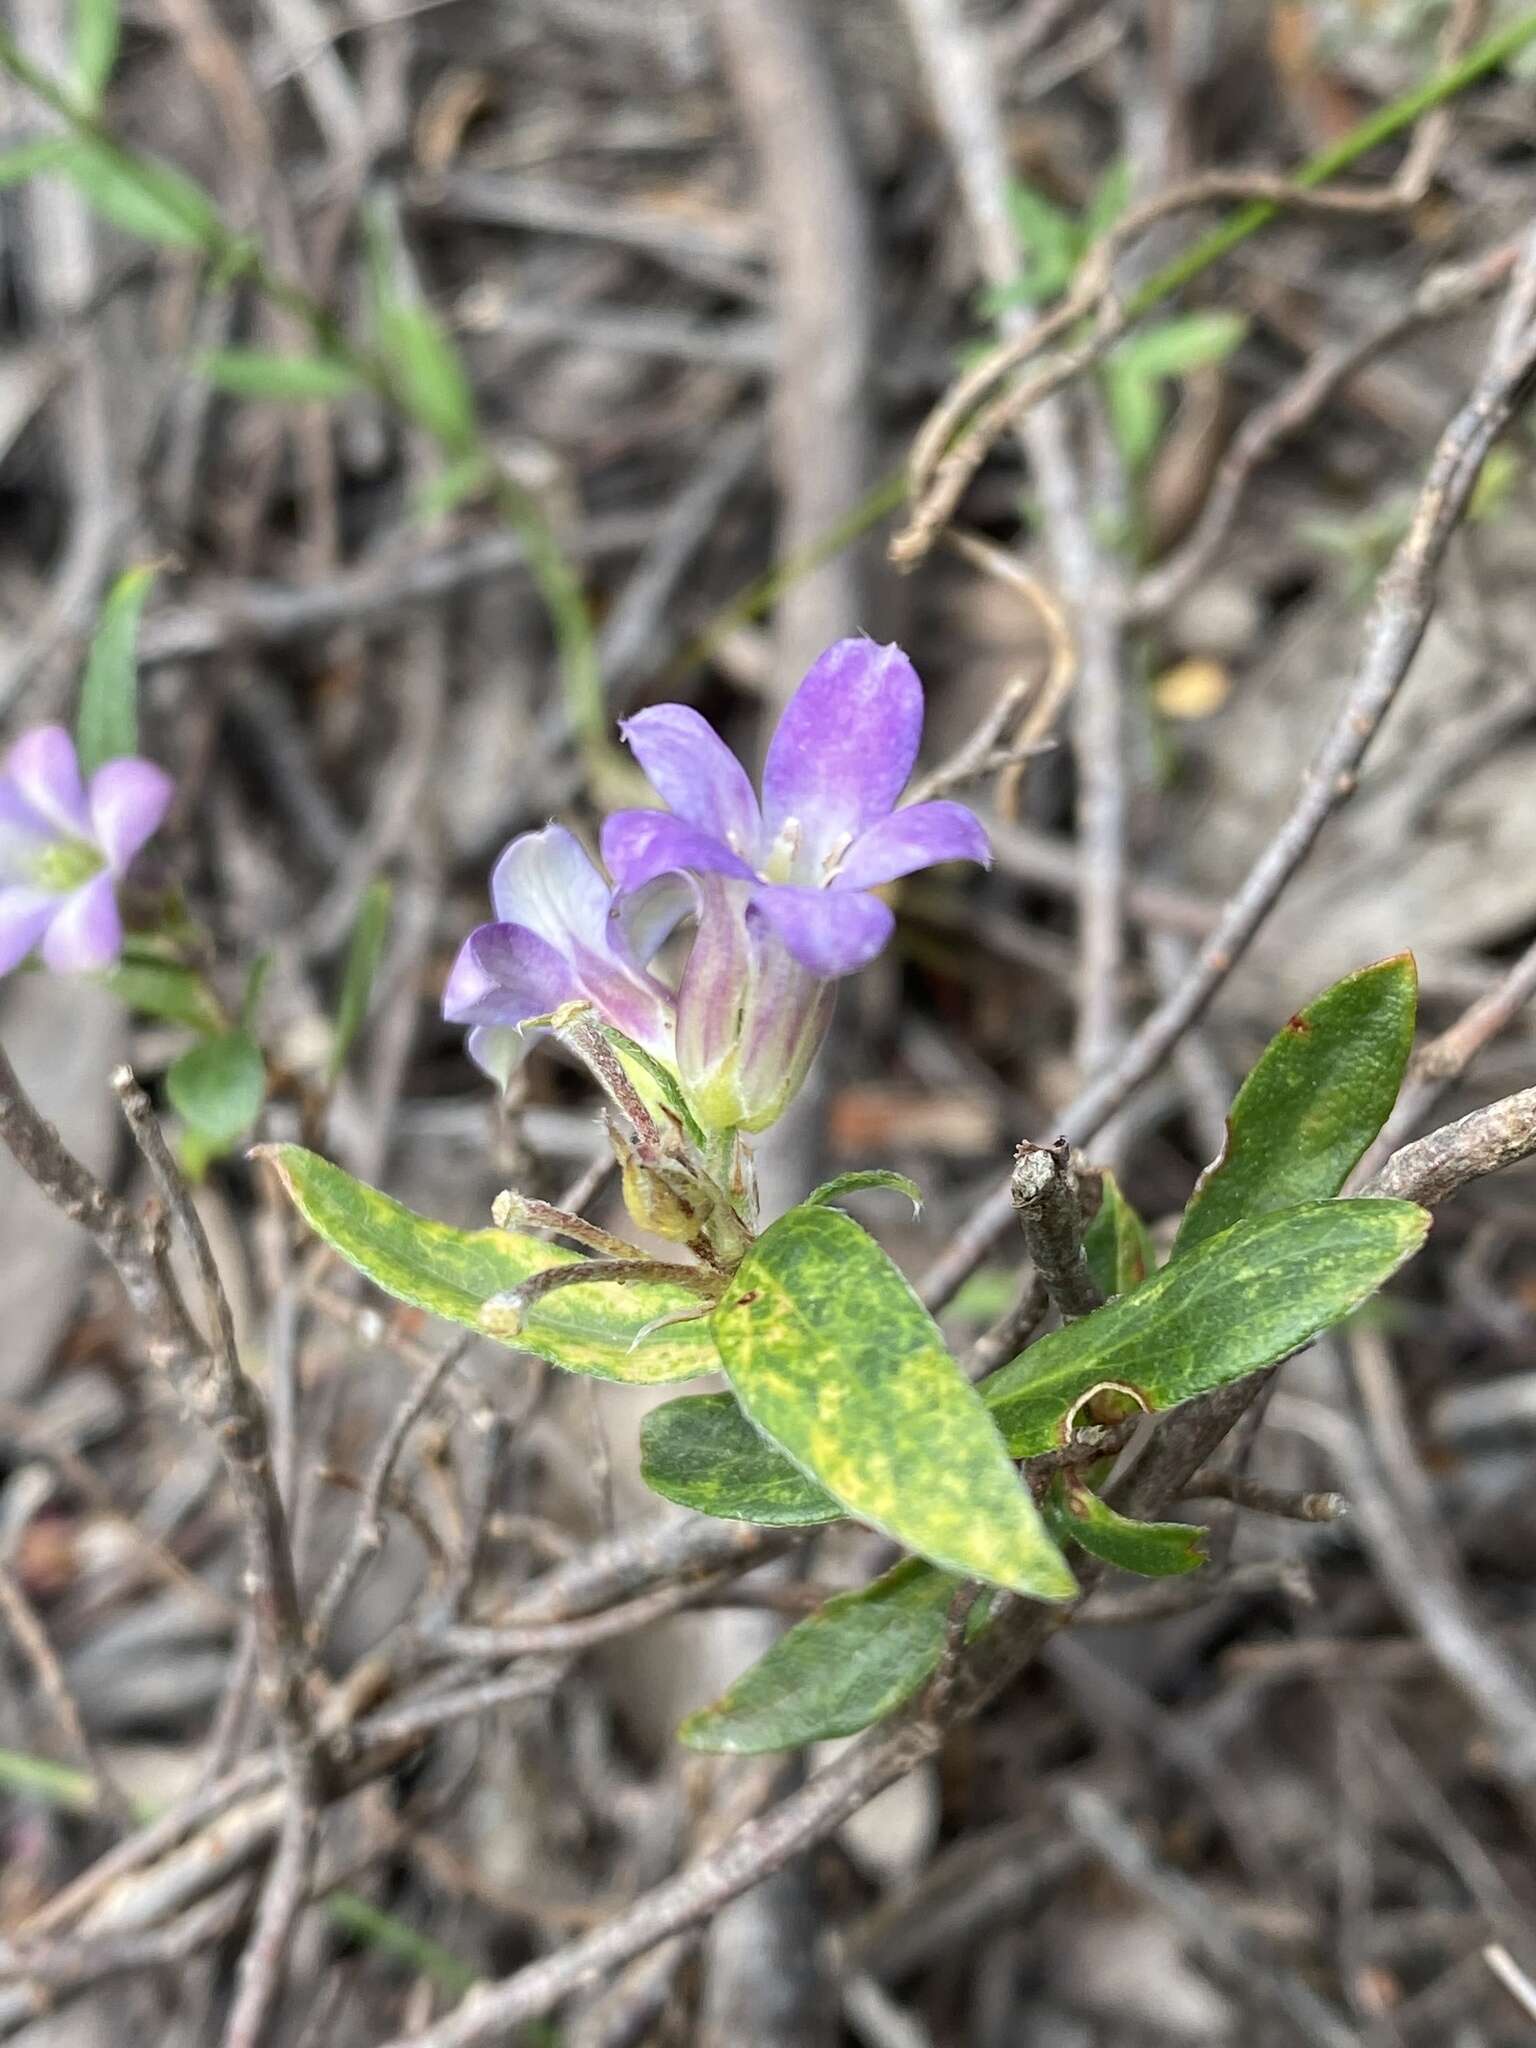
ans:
(834, 1673)
(159, 988)
(255, 982)
(452, 1273)
(1116, 1244)
(1136, 412)
(142, 195)
(94, 48)
(1157, 1550)
(27, 159)
(702, 1452)
(1238, 1302)
(218, 1088)
(363, 956)
(1051, 240)
(253, 373)
(1172, 348)
(427, 375)
(1111, 197)
(1320, 1093)
(107, 723)
(833, 1356)
(873, 1177)
(466, 477)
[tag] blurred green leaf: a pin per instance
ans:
(363, 956)
(94, 48)
(1050, 240)
(1241, 1300)
(871, 1177)
(835, 1359)
(1157, 1550)
(1116, 1244)
(1111, 197)
(1320, 1092)
(985, 1295)
(107, 723)
(255, 982)
(1136, 413)
(141, 195)
(1172, 348)
(27, 159)
(217, 1089)
(463, 479)
(702, 1452)
(427, 376)
(599, 1329)
(253, 373)
(175, 994)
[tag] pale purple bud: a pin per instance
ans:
(750, 1016)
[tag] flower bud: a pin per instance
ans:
(750, 1017)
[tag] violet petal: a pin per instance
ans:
(497, 1050)
(86, 934)
(504, 974)
(547, 882)
(641, 921)
(918, 837)
(639, 845)
(845, 746)
(695, 774)
(831, 931)
(46, 770)
(25, 914)
(128, 799)
(23, 834)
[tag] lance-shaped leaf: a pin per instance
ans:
(363, 955)
(1321, 1091)
(107, 724)
(833, 1356)
(1116, 1244)
(1240, 1301)
(843, 1667)
(597, 1329)
(301, 380)
(702, 1452)
(1155, 1549)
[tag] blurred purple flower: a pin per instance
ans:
(65, 844)
(828, 829)
(559, 937)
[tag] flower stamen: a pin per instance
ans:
(784, 852)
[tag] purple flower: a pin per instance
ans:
(828, 829)
(65, 845)
(559, 937)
